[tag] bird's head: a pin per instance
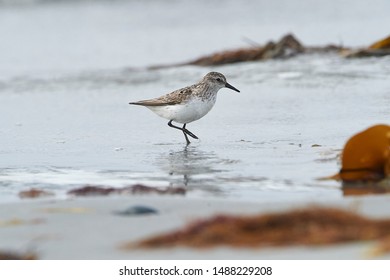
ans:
(218, 80)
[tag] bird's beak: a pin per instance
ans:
(231, 87)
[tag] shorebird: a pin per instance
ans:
(188, 104)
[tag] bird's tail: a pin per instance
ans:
(135, 103)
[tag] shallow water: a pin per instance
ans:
(66, 119)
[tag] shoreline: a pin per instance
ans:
(88, 228)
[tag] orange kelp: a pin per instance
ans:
(366, 156)
(379, 48)
(382, 44)
(309, 226)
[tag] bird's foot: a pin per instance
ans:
(189, 133)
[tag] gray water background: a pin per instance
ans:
(69, 68)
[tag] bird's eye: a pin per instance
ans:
(218, 79)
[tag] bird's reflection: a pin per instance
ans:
(192, 168)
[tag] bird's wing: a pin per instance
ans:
(173, 98)
(152, 102)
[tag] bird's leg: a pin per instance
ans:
(189, 132)
(182, 129)
(185, 131)
(187, 140)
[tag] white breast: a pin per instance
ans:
(185, 113)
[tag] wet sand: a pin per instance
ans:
(66, 121)
(88, 228)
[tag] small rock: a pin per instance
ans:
(136, 211)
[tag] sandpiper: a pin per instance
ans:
(188, 104)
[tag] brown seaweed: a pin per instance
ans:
(310, 226)
(8, 255)
(35, 193)
(95, 190)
